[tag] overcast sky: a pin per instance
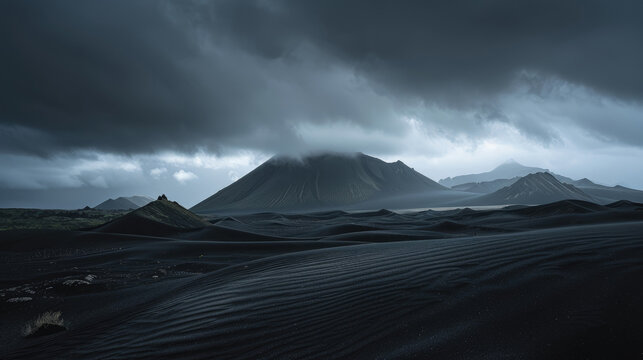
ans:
(112, 98)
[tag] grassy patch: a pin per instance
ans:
(34, 219)
(46, 323)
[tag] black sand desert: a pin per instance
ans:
(287, 179)
(559, 280)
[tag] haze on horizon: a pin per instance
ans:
(105, 99)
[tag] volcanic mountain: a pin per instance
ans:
(538, 188)
(318, 182)
(156, 218)
(124, 203)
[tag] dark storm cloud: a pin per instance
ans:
(142, 76)
(110, 75)
(443, 47)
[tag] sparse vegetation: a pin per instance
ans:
(20, 299)
(47, 323)
(21, 219)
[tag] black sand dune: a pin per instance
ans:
(566, 294)
(561, 207)
(558, 280)
(626, 205)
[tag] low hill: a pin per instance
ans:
(561, 207)
(124, 203)
(317, 182)
(155, 218)
(538, 188)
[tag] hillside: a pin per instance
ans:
(157, 217)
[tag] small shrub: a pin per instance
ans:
(75, 282)
(20, 299)
(47, 323)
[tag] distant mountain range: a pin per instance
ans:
(538, 188)
(508, 170)
(124, 203)
(361, 182)
(600, 193)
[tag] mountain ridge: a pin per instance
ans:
(537, 188)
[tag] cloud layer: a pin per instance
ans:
(123, 97)
(143, 77)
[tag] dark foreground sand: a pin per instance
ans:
(557, 281)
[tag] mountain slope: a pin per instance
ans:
(124, 203)
(155, 218)
(316, 182)
(538, 188)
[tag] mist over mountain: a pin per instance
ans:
(318, 181)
